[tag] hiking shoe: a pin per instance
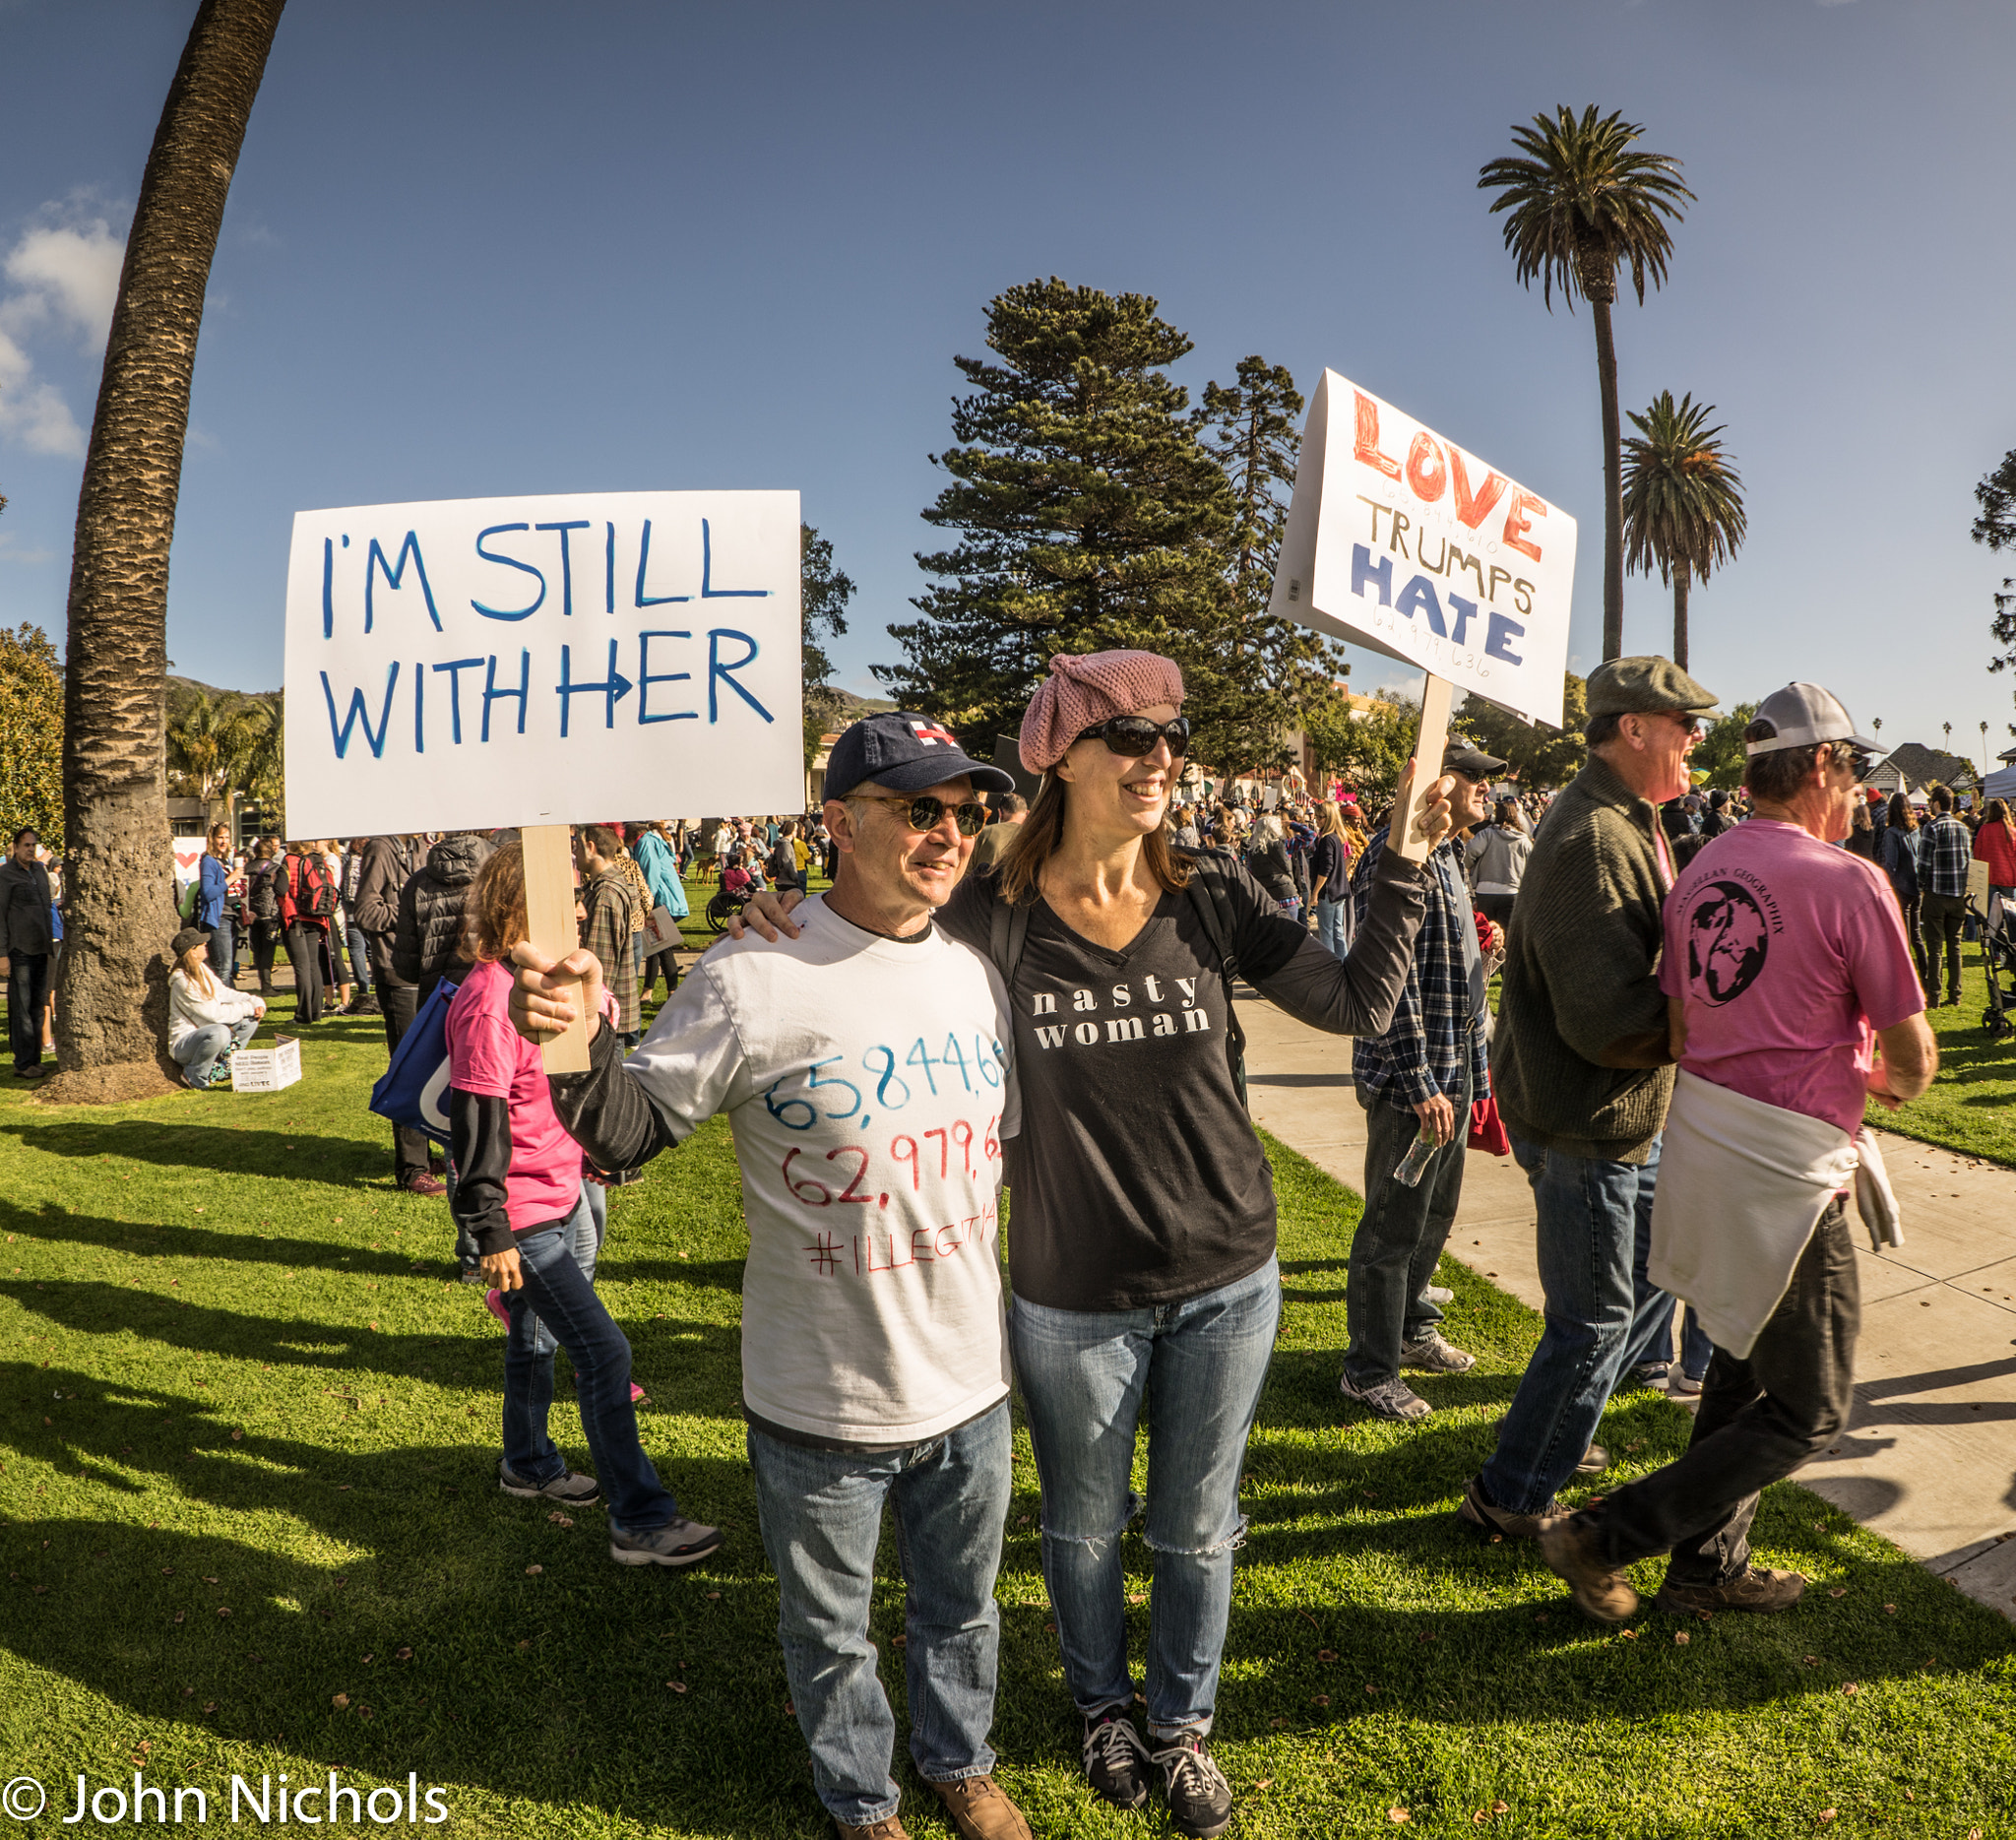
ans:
(890, 1829)
(1432, 1355)
(1484, 1518)
(981, 1810)
(1438, 1294)
(679, 1542)
(1760, 1589)
(423, 1185)
(1199, 1797)
(1388, 1399)
(1601, 1589)
(1115, 1758)
(1685, 1385)
(569, 1486)
(1651, 1374)
(493, 1301)
(1595, 1460)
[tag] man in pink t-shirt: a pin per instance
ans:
(1785, 969)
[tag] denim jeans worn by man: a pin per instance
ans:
(874, 1349)
(1943, 851)
(1582, 1072)
(1418, 1079)
(1784, 966)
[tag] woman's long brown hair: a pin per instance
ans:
(1037, 836)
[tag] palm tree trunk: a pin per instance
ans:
(119, 913)
(1680, 574)
(1613, 482)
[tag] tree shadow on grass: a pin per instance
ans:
(305, 1154)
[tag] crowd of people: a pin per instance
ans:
(1697, 996)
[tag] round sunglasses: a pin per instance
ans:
(1135, 736)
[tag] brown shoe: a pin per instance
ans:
(890, 1829)
(1480, 1515)
(1601, 1589)
(1760, 1589)
(979, 1811)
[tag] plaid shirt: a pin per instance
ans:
(607, 934)
(1422, 1053)
(1943, 850)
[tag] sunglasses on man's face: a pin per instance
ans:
(925, 813)
(1135, 736)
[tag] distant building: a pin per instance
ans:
(1913, 767)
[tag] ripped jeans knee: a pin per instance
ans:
(1229, 1543)
(1097, 1543)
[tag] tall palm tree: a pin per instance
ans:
(1684, 501)
(119, 908)
(211, 742)
(1580, 203)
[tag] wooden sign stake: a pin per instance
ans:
(1429, 746)
(549, 918)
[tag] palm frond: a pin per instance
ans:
(1582, 201)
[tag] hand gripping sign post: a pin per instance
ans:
(542, 662)
(1401, 541)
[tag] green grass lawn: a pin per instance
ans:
(1971, 1106)
(248, 1524)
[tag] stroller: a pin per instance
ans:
(1997, 960)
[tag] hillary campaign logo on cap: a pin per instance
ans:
(904, 753)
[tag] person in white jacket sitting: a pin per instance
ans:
(207, 1019)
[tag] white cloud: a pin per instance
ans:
(63, 278)
(68, 273)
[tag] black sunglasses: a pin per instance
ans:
(923, 814)
(1135, 736)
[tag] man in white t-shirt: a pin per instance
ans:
(865, 1075)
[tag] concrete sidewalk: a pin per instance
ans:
(1930, 1457)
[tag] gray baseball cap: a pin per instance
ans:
(1801, 715)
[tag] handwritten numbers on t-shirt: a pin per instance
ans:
(892, 1090)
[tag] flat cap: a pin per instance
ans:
(1637, 686)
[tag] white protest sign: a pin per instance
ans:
(546, 660)
(1401, 541)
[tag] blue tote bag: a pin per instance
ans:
(414, 1090)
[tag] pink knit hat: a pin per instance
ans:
(1086, 688)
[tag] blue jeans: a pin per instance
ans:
(1333, 926)
(202, 1048)
(821, 1516)
(1595, 1221)
(222, 954)
(1696, 1350)
(1198, 1365)
(557, 1308)
(360, 958)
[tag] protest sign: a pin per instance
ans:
(542, 661)
(1399, 541)
(476, 662)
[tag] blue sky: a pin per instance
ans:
(479, 248)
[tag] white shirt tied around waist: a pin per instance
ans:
(1741, 1187)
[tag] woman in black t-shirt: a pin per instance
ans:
(1141, 1242)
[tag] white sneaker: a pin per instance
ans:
(1432, 1355)
(1388, 1399)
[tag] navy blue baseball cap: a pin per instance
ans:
(906, 753)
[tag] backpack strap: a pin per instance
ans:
(1007, 933)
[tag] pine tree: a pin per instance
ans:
(1287, 673)
(824, 591)
(1088, 514)
(30, 735)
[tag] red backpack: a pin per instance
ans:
(314, 891)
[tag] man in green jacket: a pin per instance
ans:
(1582, 1072)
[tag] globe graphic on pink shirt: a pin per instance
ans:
(1727, 940)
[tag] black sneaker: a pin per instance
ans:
(1115, 1758)
(1199, 1797)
